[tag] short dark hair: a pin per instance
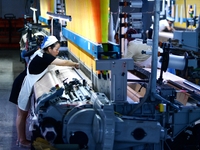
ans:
(129, 32)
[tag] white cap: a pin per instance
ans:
(48, 40)
(170, 18)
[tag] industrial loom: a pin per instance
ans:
(144, 109)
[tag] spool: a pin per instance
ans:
(149, 42)
(178, 62)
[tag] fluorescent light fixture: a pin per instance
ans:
(60, 16)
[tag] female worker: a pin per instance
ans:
(37, 67)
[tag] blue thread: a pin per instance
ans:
(44, 41)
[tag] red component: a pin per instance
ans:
(157, 107)
(57, 86)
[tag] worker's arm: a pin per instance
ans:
(61, 62)
(169, 28)
(130, 50)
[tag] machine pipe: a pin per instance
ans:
(151, 88)
(155, 48)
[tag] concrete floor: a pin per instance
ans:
(10, 67)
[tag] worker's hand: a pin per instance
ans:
(76, 65)
(172, 29)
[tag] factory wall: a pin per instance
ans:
(17, 7)
(12, 19)
(46, 6)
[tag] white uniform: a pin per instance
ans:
(27, 86)
(134, 51)
(163, 24)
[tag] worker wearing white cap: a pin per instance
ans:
(166, 24)
(134, 51)
(36, 68)
(135, 48)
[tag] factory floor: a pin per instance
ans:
(10, 67)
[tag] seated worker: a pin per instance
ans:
(165, 25)
(134, 51)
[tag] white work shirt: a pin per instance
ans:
(134, 51)
(163, 24)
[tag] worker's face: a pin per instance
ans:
(55, 50)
